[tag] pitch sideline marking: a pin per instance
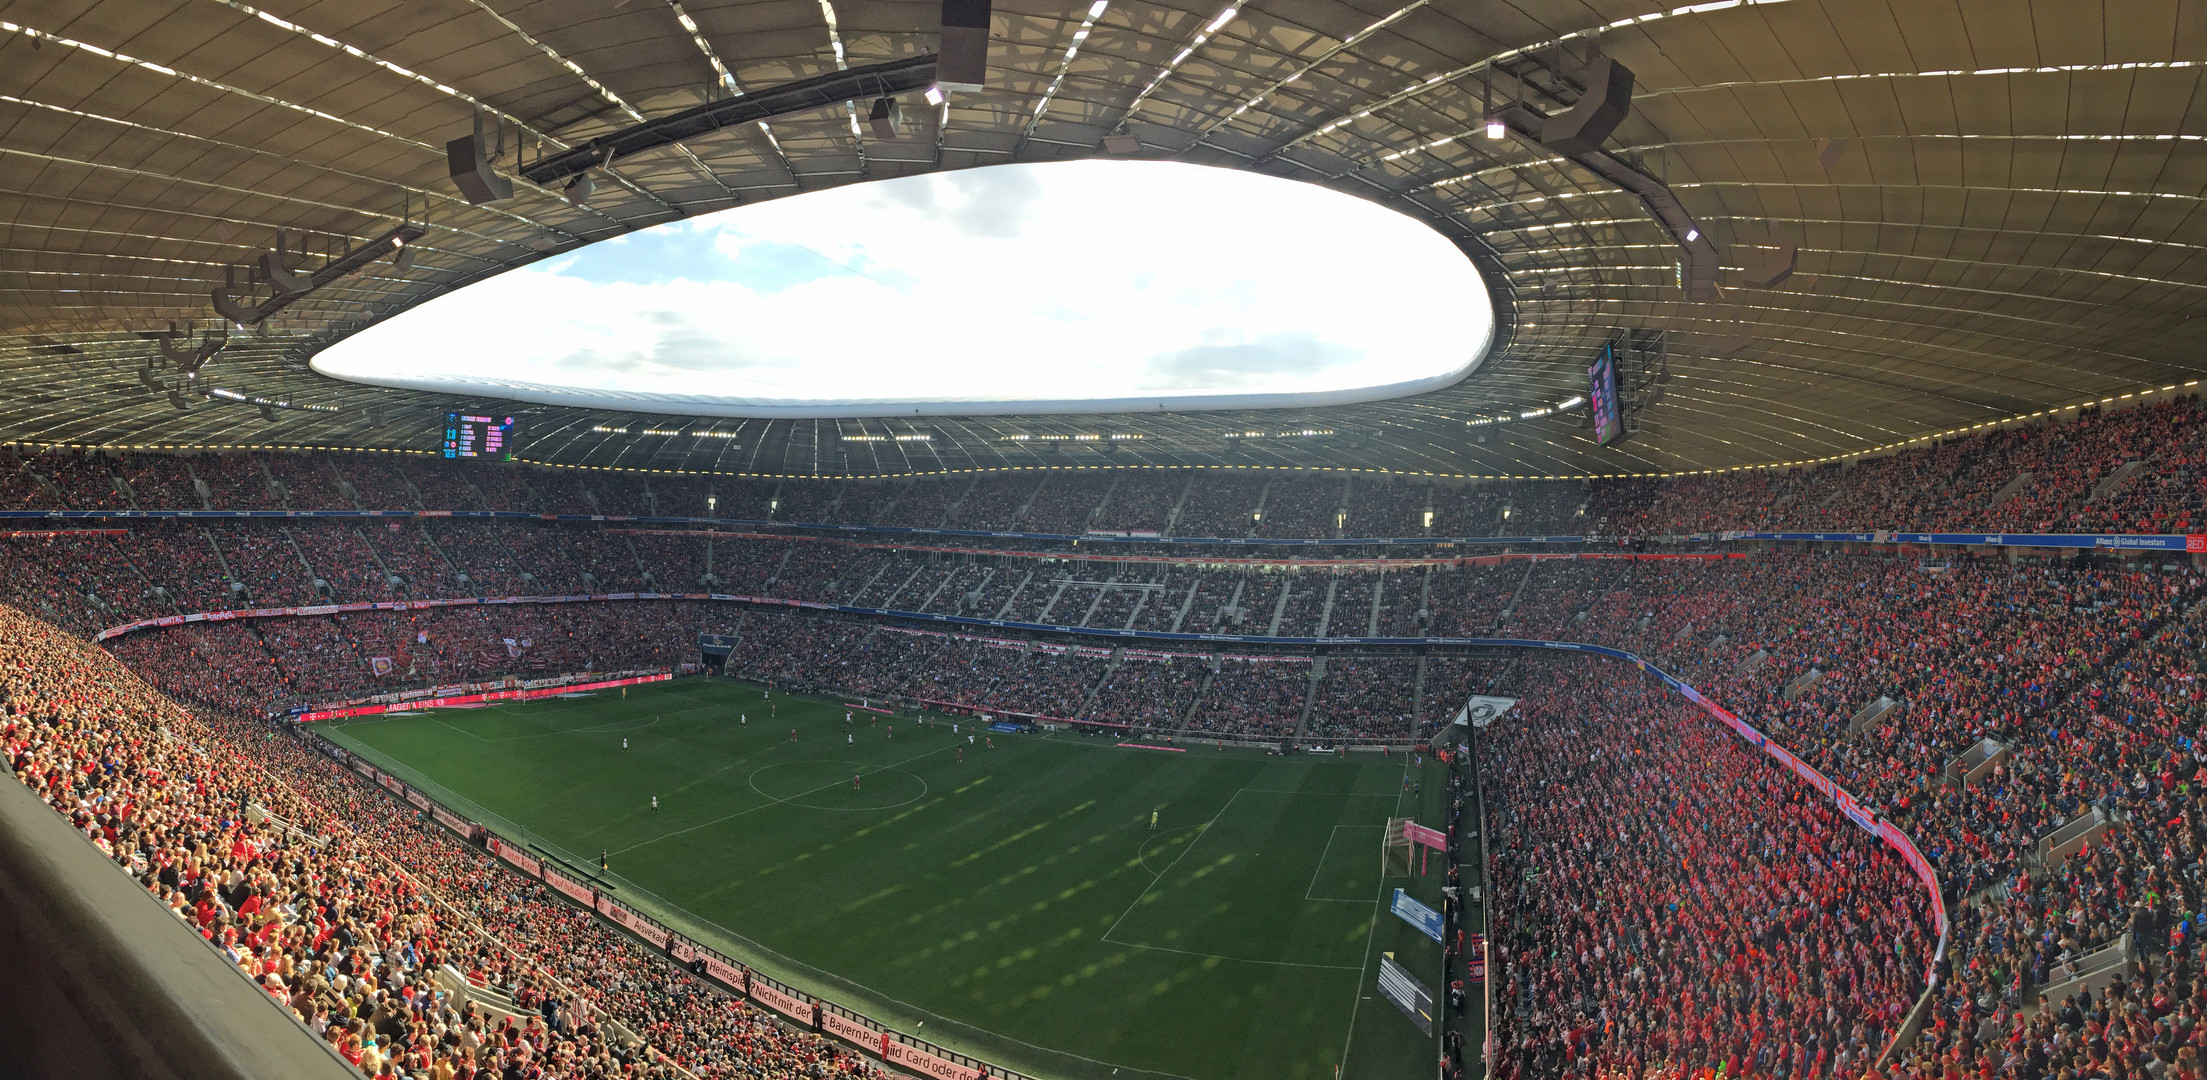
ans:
(731, 938)
(1369, 935)
(1322, 868)
(1238, 959)
(607, 728)
(1168, 866)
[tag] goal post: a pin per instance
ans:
(1394, 849)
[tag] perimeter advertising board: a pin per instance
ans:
(788, 1005)
(1411, 996)
(1427, 920)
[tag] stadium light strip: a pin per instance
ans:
(1095, 11)
(2061, 69)
(727, 78)
(148, 65)
(1441, 78)
(1215, 25)
(615, 99)
(850, 108)
(226, 88)
(1850, 455)
(403, 72)
(1312, 64)
(697, 38)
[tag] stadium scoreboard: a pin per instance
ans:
(468, 436)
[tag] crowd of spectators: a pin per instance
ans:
(1162, 612)
(2044, 475)
(1064, 505)
(1669, 902)
(993, 502)
(1150, 693)
(1254, 697)
(1142, 502)
(1364, 698)
(2087, 673)
(345, 906)
(1301, 508)
(1306, 604)
(1220, 506)
(256, 665)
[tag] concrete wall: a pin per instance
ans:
(97, 979)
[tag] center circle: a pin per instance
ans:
(826, 785)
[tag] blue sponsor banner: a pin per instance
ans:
(1427, 920)
(2123, 541)
(751, 523)
(2118, 541)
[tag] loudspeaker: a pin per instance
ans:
(472, 174)
(962, 58)
(885, 118)
(1771, 268)
(1121, 144)
(1581, 128)
(578, 191)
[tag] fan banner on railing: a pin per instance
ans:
(1482, 710)
(525, 863)
(924, 1063)
(786, 1004)
(847, 1029)
(571, 889)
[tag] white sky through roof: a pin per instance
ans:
(1089, 286)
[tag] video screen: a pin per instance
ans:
(1601, 397)
(468, 436)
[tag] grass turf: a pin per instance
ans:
(1014, 897)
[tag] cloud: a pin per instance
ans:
(1003, 286)
(1247, 365)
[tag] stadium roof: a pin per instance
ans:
(1996, 209)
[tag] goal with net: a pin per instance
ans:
(1394, 849)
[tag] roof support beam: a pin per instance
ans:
(804, 95)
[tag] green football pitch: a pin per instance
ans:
(1012, 901)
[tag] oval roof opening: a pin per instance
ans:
(1065, 287)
